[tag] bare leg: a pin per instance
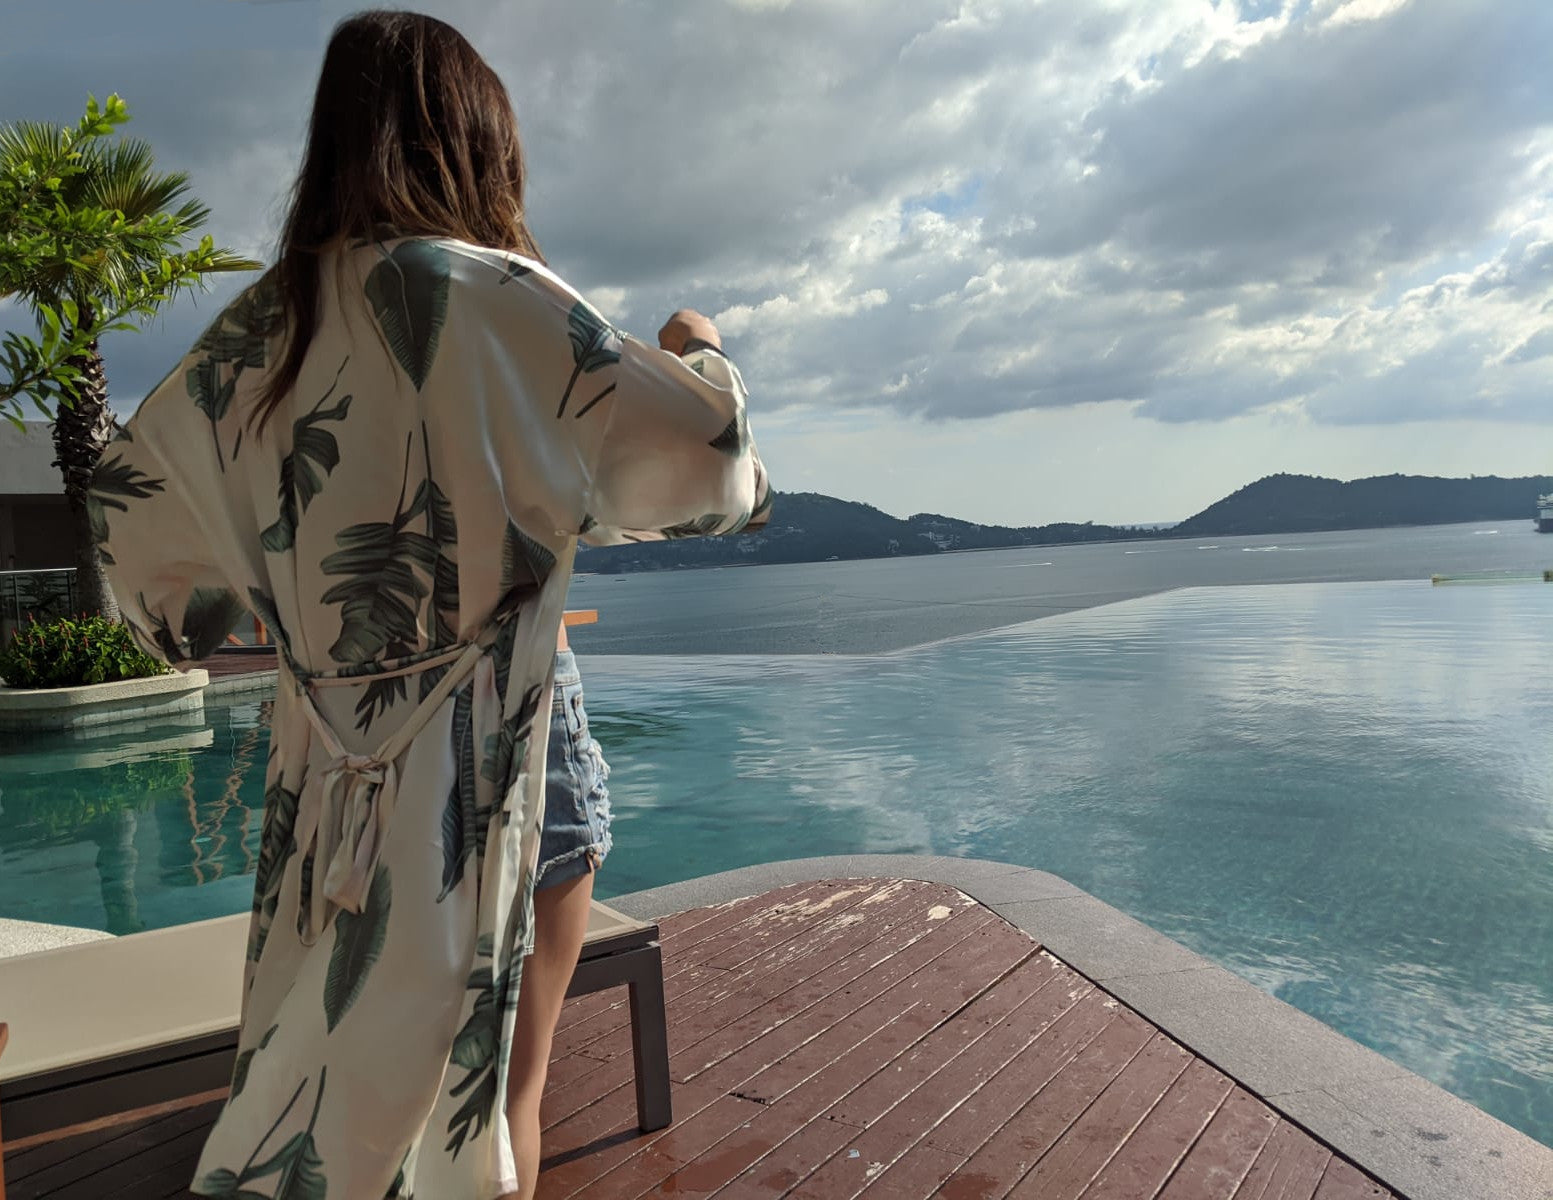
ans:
(560, 923)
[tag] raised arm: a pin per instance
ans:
(611, 439)
(677, 459)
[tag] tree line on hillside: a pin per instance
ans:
(810, 527)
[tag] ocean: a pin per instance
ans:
(1295, 755)
(887, 604)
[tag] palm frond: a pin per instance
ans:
(30, 143)
(123, 176)
(93, 230)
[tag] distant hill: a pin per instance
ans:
(810, 527)
(1308, 503)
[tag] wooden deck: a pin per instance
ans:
(244, 662)
(832, 1039)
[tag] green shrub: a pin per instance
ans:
(71, 651)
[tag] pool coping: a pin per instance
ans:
(1414, 1136)
(19, 937)
(241, 683)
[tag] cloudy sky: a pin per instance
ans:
(1017, 262)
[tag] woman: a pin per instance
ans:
(386, 449)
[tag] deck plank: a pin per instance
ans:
(1344, 1181)
(786, 1141)
(684, 931)
(124, 1161)
(771, 998)
(880, 991)
(816, 933)
(856, 1030)
(1159, 1144)
(688, 930)
(924, 1171)
(783, 1166)
(1223, 1153)
(1093, 1140)
(252, 662)
(693, 1155)
(1288, 1168)
(1015, 1146)
(23, 1165)
(891, 1120)
(591, 1029)
(990, 1090)
(989, 1015)
(847, 1038)
(580, 1087)
(860, 962)
(170, 1165)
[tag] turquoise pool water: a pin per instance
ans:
(1343, 793)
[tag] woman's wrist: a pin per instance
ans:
(692, 344)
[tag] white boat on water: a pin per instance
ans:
(1545, 513)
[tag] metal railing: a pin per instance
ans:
(25, 595)
(40, 595)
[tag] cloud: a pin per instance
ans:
(940, 210)
(1538, 345)
(1317, 158)
(984, 208)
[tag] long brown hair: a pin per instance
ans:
(412, 133)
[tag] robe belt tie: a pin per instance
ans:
(345, 808)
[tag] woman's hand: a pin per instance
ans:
(685, 325)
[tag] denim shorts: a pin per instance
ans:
(575, 837)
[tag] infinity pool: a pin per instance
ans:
(1343, 793)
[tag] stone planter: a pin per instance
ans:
(39, 710)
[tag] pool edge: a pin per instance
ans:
(223, 686)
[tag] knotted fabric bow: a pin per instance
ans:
(345, 809)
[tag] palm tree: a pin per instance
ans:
(111, 244)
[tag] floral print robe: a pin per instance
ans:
(405, 527)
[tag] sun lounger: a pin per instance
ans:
(115, 1031)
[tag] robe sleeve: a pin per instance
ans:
(611, 439)
(676, 458)
(175, 601)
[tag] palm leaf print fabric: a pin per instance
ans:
(405, 527)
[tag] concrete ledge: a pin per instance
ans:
(36, 710)
(1418, 1139)
(28, 937)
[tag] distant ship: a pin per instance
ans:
(1545, 514)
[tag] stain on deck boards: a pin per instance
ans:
(879, 1038)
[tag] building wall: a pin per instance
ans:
(35, 531)
(27, 460)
